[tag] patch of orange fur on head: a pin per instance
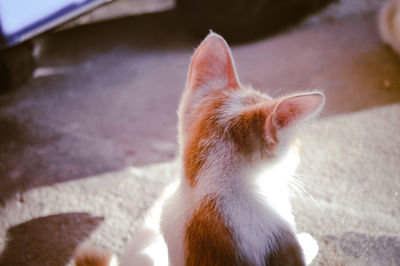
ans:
(208, 240)
(248, 131)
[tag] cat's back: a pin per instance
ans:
(214, 230)
(261, 234)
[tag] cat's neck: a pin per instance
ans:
(230, 178)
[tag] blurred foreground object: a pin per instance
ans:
(241, 20)
(16, 65)
(21, 20)
(389, 24)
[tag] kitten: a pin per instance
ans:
(231, 206)
(389, 24)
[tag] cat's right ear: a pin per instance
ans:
(290, 110)
(212, 64)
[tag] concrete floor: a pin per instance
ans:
(104, 98)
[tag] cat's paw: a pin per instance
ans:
(309, 245)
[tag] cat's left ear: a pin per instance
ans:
(292, 109)
(212, 64)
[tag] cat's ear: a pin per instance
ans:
(292, 109)
(212, 63)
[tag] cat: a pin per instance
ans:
(233, 139)
(237, 155)
(389, 24)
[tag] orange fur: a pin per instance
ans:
(90, 256)
(208, 240)
(247, 131)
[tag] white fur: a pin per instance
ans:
(236, 105)
(309, 245)
(114, 261)
(175, 212)
(148, 247)
(259, 208)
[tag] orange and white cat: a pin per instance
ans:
(231, 206)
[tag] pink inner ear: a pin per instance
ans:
(212, 63)
(296, 108)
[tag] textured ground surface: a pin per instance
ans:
(86, 146)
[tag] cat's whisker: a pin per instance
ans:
(302, 188)
(314, 188)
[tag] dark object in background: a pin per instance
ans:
(242, 20)
(47, 240)
(18, 26)
(16, 65)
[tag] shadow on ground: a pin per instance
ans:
(84, 119)
(33, 155)
(49, 240)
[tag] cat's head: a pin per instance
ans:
(222, 120)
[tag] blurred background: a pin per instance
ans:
(88, 99)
